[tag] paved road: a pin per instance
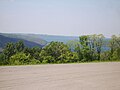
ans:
(87, 76)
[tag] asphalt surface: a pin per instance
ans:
(86, 76)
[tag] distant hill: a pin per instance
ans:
(41, 39)
(4, 40)
(28, 37)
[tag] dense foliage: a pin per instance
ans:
(88, 48)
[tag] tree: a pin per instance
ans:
(72, 44)
(96, 43)
(55, 49)
(79, 52)
(105, 56)
(115, 47)
(9, 50)
(48, 59)
(2, 59)
(90, 47)
(84, 48)
(34, 52)
(19, 59)
(116, 55)
(57, 52)
(19, 46)
(99, 43)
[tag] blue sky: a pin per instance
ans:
(60, 17)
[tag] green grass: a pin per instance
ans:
(95, 61)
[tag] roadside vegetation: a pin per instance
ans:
(89, 48)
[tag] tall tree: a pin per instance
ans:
(115, 47)
(9, 50)
(92, 46)
(99, 43)
(84, 48)
(96, 43)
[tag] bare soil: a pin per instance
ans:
(85, 76)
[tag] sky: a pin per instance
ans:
(60, 17)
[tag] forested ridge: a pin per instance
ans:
(87, 49)
(5, 39)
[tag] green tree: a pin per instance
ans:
(55, 49)
(78, 50)
(56, 52)
(105, 56)
(34, 52)
(9, 50)
(84, 48)
(19, 59)
(19, 46)
(96, 43)
(99, 43)
(115, 47)
(90, 47)
(72, 44)
(116, 55)
(2, 59)
(48, 59)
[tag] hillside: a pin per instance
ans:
(28, 37)
(4, 40)
(40, 38)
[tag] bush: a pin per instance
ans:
(19, 58)
(2, 59)
(48, 59)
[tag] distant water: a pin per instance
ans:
(63, 39)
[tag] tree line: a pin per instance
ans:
(89, 48)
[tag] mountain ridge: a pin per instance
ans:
(4, 40)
